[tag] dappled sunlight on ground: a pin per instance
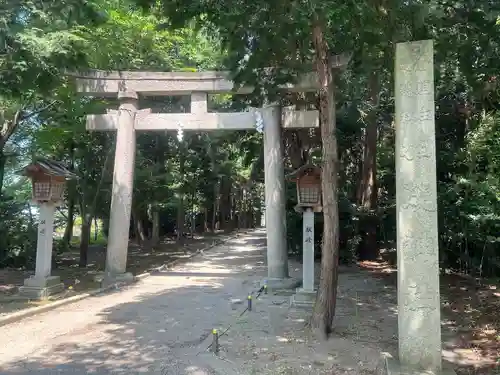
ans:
(470, 320)
(78, 280)
(163, 325)
(164, 313)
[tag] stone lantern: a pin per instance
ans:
(48, 179)
(308, 180)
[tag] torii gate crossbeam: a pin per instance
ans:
(128, 119)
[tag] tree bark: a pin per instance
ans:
(240, 206)
(7, 128)
(193, 211)
(155, 232)
(88, 212)
(140, 236)
(225, 203)
(85, 240)
(205, 220)
(180, 208)
(324, 308)
(298, 155)
(68, 231)
(368, 195)
(96, 228)
(247, 213)
(212, 208)
(105, 226)
(3, 160)
(215, 206)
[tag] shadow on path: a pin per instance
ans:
(160, 328)
(163, 325)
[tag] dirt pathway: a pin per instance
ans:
(162, 325)
(79, 280)
(469, 317)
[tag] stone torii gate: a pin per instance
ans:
(128, 119)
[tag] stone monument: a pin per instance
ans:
(419, 321)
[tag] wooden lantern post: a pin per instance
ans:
(308, 180)
(48, 179)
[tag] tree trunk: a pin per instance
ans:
(215, 206)
(212, 210)
(85, 240)
(105, 226)
(96, 228)
(7, 128)
(180, 219)
(234, 207)
(180, 207)
(250, 207)
(140, 236)
(225, 203)
(88, 212)
(3, 160)
(155, 232)
(140, 230)
(247, 212)
(368, 247)
(324, 308)
(31, 222)
(239, 207)
(68, 231)
(193, 211)
(205, 220)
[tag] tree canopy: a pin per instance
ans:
(214, 180)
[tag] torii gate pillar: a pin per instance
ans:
(128, 119)
(123, 187)
(277, 252)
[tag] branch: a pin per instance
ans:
(62, 213)
(105, 167)
(9, 126)
(38, 111)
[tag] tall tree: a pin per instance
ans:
(38, 41)
(278, 34)
(324, 308)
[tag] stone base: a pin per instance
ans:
(276, 285)
(122, 278)
(303, 298)
(41, 288)
(390, 366)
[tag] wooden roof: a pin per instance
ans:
(298, 172)
(48, 167)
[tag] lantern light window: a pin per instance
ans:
(48, 190)
(41, 190)
(309, 194)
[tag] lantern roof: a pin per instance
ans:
(303, 169)
(48, 167)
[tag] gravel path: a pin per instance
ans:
(156, 326)
(162, 325)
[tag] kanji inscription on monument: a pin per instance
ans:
(416, 201)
